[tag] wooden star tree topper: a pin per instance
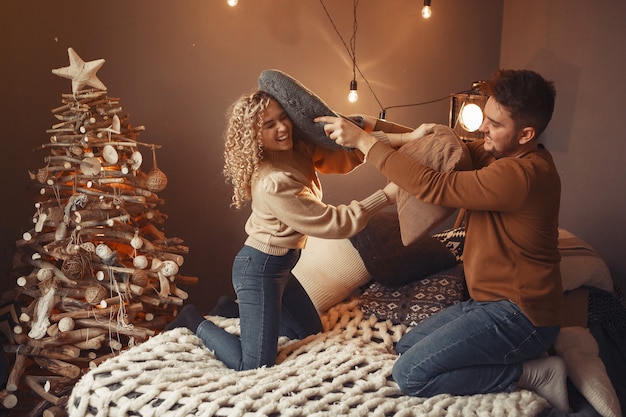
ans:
(80, 72)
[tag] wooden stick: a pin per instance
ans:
(35, 383)
(96, 214)
(93, 343)
(65, 352)
(55, 411)
(8, 400)
(70, 337)
(138, 332)
(38, 409)
(58, 367)
(97, 361)
(123, 218)
(91, 192)
(92, 312)
(57, 272)
(186, 280)
(179, 293)
(13, 381)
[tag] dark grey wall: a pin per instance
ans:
(580, 46)
(177, 65)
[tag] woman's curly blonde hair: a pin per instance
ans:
(243, 148)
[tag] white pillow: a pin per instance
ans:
(579, 349)
(330, 270)
(581, 264)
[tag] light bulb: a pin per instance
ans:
(426, 10)
(353, 96)
(470, 117)
(232, 3)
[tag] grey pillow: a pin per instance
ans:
(391, 263)
(301, 104)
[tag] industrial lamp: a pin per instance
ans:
(466, 112)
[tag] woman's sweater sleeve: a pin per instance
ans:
(308, 215)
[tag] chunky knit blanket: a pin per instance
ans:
(343, 371)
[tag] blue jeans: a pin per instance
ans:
(271, 303)
(469, 348)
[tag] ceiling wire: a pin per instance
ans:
(351, 52)
(353, 39)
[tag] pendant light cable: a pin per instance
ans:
(355, 65)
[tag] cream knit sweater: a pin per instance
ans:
(287, 201)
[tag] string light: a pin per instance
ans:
(426, 10)
(353, 95)
(348, 49)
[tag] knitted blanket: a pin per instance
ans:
(343, 371)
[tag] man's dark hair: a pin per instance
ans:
(526, 95)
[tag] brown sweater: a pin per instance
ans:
(512, 226)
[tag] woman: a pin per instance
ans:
(277, 174)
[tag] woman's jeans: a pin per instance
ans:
(272, 303)
(469, 348)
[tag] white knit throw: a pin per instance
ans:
(344, 371)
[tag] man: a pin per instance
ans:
(494, 341)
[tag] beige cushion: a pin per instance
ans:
(330, 270)
(579, 350)
(441, 150)
(581, 265)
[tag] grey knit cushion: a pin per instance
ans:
(300, 103)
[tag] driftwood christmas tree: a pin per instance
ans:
(95, 274)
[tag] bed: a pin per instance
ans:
(369, 290)
(365, 306)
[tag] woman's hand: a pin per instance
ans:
(424, 129)
(346, 133)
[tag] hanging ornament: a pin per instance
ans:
(91, 166)
(88, 247)
(169, 268)
(136, 159)
(116, 126)
(140, 262)
(139, 277)
(74, 267)
(95, 294)
(157, 180)
(42, 175)
(136, 242)
(110, 154)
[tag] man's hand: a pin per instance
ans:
(368, 122)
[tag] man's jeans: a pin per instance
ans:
(469, 348)
(272, 303)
